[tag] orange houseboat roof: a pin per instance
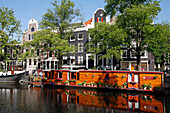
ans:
(151, 72)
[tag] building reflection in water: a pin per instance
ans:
(90, 100)
(71, 100)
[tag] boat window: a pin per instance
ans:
(77, 99)
(9, 68)
(73, 75)
(107, 75)
(60, 75)
(15, 67)
(77, 76)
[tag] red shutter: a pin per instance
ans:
(101, 19)
(97, 19)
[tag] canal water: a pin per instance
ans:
(21, 99)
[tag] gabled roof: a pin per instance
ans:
(88, 22)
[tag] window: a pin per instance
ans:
(50, 54)
(73, 75)
(65, 60)
(48, 65)
(124, 54)
(71, 45)
(35, 61)
(72, 59)
(32, 37)
(80, 60)
(133, 43)
(29, 61)
(38, 52)
(60, 75)
(56, 65)
(80, 36)
(144, 54)
(132, 54)
(52, 64)
(32, 29)
(72, 38)
(80, 47)
(100, 19)
(15, 68)
(29, 36)
(91, 47)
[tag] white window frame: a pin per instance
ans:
(145, 55)
(73, 45)
(72, 57)
(80, 60)
(134, 44)
(80, 47)
(131, 55)
(64, 58)
(82, 36)
(73, 39)
(126, 54)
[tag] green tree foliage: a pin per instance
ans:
(118, 6)
(106, 39)
(138, 24)
(9, 26)
(56, 30)
(159, 44)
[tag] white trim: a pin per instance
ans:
(74, 38)
(87, 56)
(146, 54)
(135, 62)
(126, 54)
(79, 34)
(131, 55)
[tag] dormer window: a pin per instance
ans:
(100, 19)
(32, 29)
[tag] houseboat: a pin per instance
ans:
(126, 80)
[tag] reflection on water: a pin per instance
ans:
(51, 100)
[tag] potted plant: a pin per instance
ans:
(107, 85)
(93, 84)
(67, 82)
(88, 84)
(145, 86)
(155, 77)
(123, 76)
(115, 85)
(84, 83)
(103, 85)
(157, 88)
(73, 82)
(125, 85)
(119, 86)
(149, 86)
(110, 85)
(80, 84)
(100, 84)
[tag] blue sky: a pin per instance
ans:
(27, 9)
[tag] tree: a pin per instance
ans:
(159, 44)
(106, 39)
(138, 24)
(56, 30)
(9, 26)
(118, 6)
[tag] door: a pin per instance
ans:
(136, 80)
(132, 67)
